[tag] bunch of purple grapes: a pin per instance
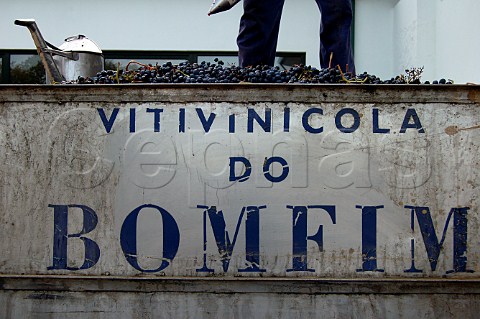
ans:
(217, 72)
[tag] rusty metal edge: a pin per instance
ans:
(309, 286)
(242, 93)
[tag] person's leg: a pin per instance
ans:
(259, 25)
(337, 16)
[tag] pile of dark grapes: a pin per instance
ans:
(217, 72)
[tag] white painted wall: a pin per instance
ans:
(140, 25)
(457, 46)
(56, 153)
(390, 35)
(153, 25)
(440, 35)
(373, 37)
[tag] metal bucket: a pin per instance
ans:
(89, 59)
(77, 56)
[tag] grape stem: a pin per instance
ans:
(185, 74)
(347, 80)
(148, 67)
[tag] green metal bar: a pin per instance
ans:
(5, 68)
(192, 56)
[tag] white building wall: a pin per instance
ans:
(390, 35)
(126, 25)
(374, 43)
(458, 41)
(153, 25)
(440, 35)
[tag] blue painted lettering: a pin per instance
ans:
(299, 219)
(286, 119)
(128, 238)
(181, 121)
(108, 123)
(205, 123)
(132, 120)
(222, 238)
(156, 118)
(265, 124)
(61, 237)
(306, 117)
(411, 114)
(430, 239)
(369, 238)
(376, 128)
(355, 124)
(231, 123)
(266, 169)
(246, 174)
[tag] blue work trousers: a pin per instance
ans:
(259, 26)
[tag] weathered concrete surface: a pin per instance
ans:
(180, 93)
(201, 285)
(25, 304)
(215, 298)
(393, 202)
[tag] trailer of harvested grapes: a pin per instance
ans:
(239, 201)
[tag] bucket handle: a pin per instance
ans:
(45, 53)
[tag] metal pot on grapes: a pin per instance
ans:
(77, 56)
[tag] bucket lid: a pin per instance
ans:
(80, 43)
